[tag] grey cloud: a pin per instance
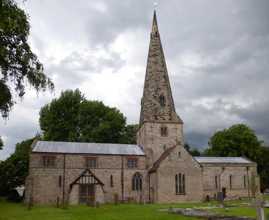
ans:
(197, 140)
(21, 125)
(257, 116)
(76, 68)
(104, 27)
(231, 39)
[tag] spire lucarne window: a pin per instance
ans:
(162, 100)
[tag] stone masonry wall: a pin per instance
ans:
(44, 187)
(179, 161)
(237, 188)
(149, 137)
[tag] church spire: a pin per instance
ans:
(154, 28)
(157, 103)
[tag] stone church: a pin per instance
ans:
(156, 170)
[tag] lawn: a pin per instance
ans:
(12, 211)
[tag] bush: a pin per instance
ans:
(13, 196)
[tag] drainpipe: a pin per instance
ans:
(64, 180)
(248, 183)
(149, 188)
(220, 190)
(122, 178)
(222, 170)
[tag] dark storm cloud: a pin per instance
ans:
(22, 122)
(217, 55)
(210, 26)
(231, 40)
(257, 117)
(197, 140)
(104, 26)
(76, 67)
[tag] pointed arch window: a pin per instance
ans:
(245, 181)
(180, 184)
(216, 182)
(137, 182)
(60, 181)
(231, 181)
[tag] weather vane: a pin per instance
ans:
(155, 5)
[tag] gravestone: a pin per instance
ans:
(220, 198)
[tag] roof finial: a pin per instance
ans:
(154, 22)
(155, 4)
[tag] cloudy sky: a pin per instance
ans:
(217, 53)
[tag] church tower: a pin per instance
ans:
(160, 126)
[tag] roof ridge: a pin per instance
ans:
(77, 142)
(157, 163)
(87, 148)
(215, 159)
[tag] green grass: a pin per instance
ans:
(12, 211)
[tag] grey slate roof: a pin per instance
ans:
(238, 160)
(87, 148)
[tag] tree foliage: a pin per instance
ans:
(73, 118)
(240, 140)
(100, 123)
(129, 134)
(1, 143)
(17, 61)
(59, 120)
(193, 151)
(263, 167)
(14, 169)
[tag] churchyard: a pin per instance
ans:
(12, 211)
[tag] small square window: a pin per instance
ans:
(91, 162)
(132, 163)
(49, 161)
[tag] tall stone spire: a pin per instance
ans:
(157, 103)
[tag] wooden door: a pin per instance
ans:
(152, 195)
(224, 193)
(87, 194)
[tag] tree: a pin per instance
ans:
(1, 143)
(193, 151)
(59, 120)
(73, 118)
(17, 62)
(238, 140)
(129, 134)
(14, 169)
(263, 167)
(100, 123)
